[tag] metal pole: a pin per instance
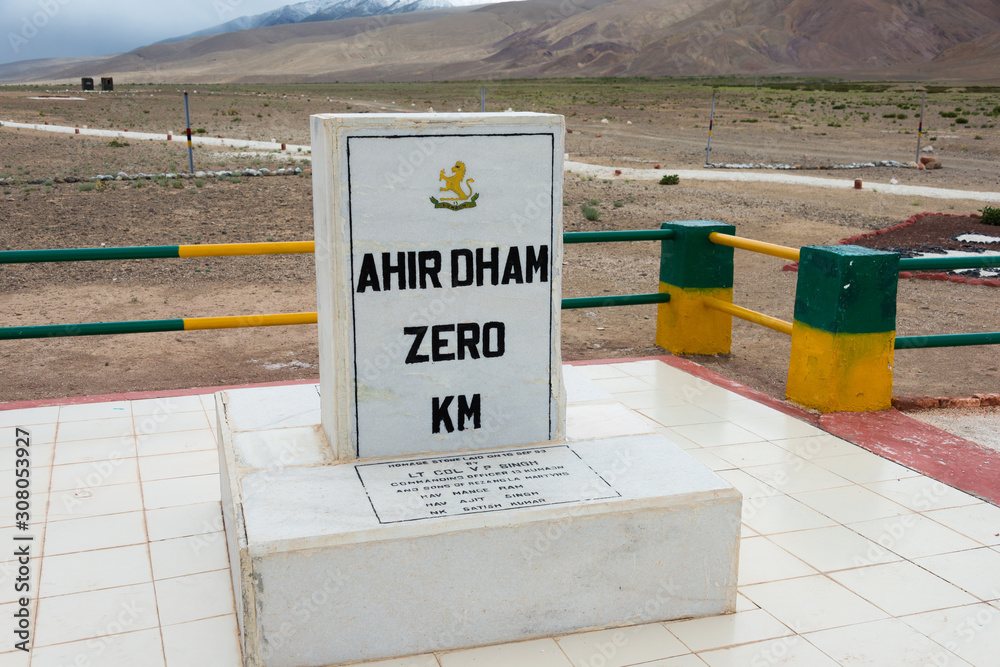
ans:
(711, 121)
(482, 99)
(187, 114)
(920, 129)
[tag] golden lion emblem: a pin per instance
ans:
(454, 182)
(454, 185)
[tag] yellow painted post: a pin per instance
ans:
(692, 268)
(844, 329)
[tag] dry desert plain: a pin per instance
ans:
(648, 123)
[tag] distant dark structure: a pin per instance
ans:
(107, 83)
(87, 83)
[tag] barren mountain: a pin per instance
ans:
(953, 39)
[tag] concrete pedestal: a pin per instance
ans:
(363, 560)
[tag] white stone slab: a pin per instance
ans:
(580, 388)
(329, 569)
(439, 309)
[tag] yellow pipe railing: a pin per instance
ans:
(749, 315)
(773, 249)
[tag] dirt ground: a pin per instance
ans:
(280, 208)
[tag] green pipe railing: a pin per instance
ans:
(90, 329)
(86, 254)
(610, 237)
(605, 301)
(947, 340)
(947, 263)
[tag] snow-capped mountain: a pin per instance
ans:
(322, 10)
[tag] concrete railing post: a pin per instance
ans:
(844, 329)
(691, 268)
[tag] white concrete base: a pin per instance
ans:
(335, 563)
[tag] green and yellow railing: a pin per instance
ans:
(843, 330)
(842, 333)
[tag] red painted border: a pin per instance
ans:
(140, 395)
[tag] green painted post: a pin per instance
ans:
(692, 268)
(844, 329)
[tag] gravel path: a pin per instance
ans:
(980, 425)
(581, 168)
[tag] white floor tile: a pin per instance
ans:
(98, 532)
(913, 535)
(676, 438)
(93, 570)
(812, 603)
(638, 400)
(212, 641)
(116, 650)
(194, 597)
(796, 476)
(95, 411)
(752, 488)
(622, 385)
(680, 415)
(99, 449)
(850, 504)
(791, 651)
(92, 429)
(971, 632)
(885, 643)
(980, 522)
(166, 405)
(38, 434)
(94, 502)
(189, 555)
(622, 646)
(865, 467)
(754, 454)
(921, 494)
(29, 416)
(818, 446)
(37, 480)
(187, 464)
(976, 571)
(601, 371)
(704, 634)
(716, 434)
(175, 442)
(15, 658)
(181, 491)
(833, 548)
(902, 588)
(781, 514)
(780, 428)
(91, 474)
(744, 604)
(709, 460)
(166, 423)
(40, 455)
(68, 618)
(689, 660)
(184, 520)
(743, 411)
(584, 422)
(761, 560)
(541, 652)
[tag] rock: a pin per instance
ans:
(911, 165)
(893, 181)
(914, 402)
(959, 402)
(604, 121)
(264, 171)
(199, 174)
(298, 170)
(988, 399)
(924, 159)
(35, 181)
(927, 149)
(936, 164)
(921, 166)
(281, 172)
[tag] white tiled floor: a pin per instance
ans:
(846, 558)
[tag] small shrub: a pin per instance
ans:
(961, 120)
(619, 204)
(201, 130)
(989, 215)
(593, 202)
(86, 187)
(114, 143)
(670, 179)
(949, 114)
(177, 185)
(199, 182)
(590, 213)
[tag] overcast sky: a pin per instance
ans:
(70, 28)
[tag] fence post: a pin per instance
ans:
(692, 267)
(844, 329)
